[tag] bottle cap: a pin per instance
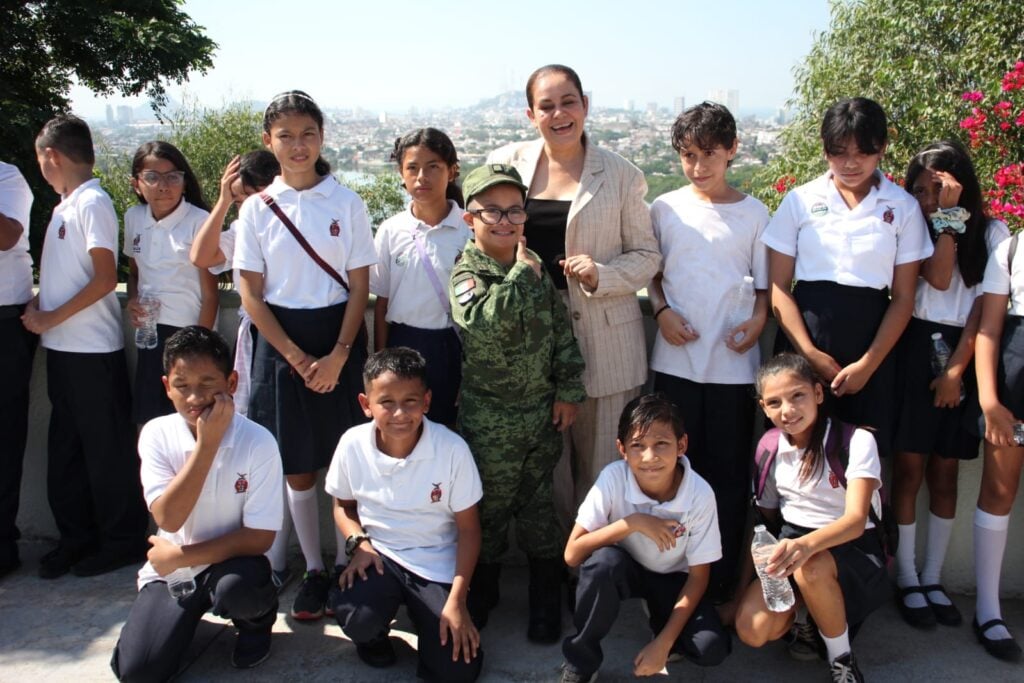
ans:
(936, 335)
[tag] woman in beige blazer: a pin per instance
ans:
(595, 198)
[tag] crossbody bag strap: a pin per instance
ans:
(269, 201)
(435, 281)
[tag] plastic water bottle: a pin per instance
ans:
(1018, 433)
(940, 359)
(778, 593)
(739, 307)
(145, 335)
(181, 583)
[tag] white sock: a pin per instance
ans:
(278, 553)
(838, 646)
(339, 554)
(939, 531)
(906, 572)
(307, 525)
(990, 533)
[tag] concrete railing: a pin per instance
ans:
(35, 520)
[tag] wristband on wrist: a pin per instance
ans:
(661, 310)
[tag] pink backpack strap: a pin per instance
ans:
(764, 456)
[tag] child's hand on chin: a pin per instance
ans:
(214, 421)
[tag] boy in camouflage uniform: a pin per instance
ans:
(521, 383)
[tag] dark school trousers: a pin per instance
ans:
(17, 348)
(365, 611)
(610, 576)
(159, 628)
(92, 480)
(720, 430)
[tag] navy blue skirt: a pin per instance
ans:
(306, 424)
(842, 321)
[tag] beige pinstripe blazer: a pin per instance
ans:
(608, 220)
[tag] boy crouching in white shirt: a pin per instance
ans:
(212, 480)
(647, 529)
(407, 491)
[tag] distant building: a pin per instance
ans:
(678, 105)
(110, 116)
(629, 105)
(124, 115)
(382, 119)
(652, 108)
(730, 98)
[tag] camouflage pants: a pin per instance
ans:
(516, 452)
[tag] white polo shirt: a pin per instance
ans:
(333, 220)
(708, 249)
(83, 220)
(15, 263)
(227, 247)
(858, 247)
(999, 279)
(952, 306)
(242, 488)
(407, 505)
(400, 274)
(821, 500)
(160, 249)
(616, 495)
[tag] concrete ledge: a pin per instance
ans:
(36, 522)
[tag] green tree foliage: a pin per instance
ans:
(127, 47)
(384, 195)
(914, 57)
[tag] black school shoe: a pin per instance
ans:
(252, 647)
(106, 561)
(378, 653)
(58, 561)
(484, 592)
(947, 615)
(918, 617)
(1005, 649)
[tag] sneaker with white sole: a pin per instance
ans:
(570, 676)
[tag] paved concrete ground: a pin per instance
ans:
(66, 629)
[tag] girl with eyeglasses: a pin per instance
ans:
(158, 234)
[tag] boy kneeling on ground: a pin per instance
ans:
(647, 529)
(407, 491)
(212, 480)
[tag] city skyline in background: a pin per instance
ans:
(395, 57)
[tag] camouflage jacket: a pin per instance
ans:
(517, 343)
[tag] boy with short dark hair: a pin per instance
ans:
(92, 469)
(521, 386)
(213, 482)
(705, 353)
(407, 492)
(647, 529)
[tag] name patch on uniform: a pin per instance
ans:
(435, 494)
(61, 231)
(402, 260)
(465, 290)
(819, 209)
(241, 484)
(335, 228)
(888, 216)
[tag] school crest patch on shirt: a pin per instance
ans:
(61, 231)
(335, 228)
(241, 484)
(819, 209)
(465, 290)
(888, 216)
(402, 260)
(680, 530)
(435, 494)
(137, 244)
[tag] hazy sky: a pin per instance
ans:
(394, 54)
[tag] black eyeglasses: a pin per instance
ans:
(516, 215)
